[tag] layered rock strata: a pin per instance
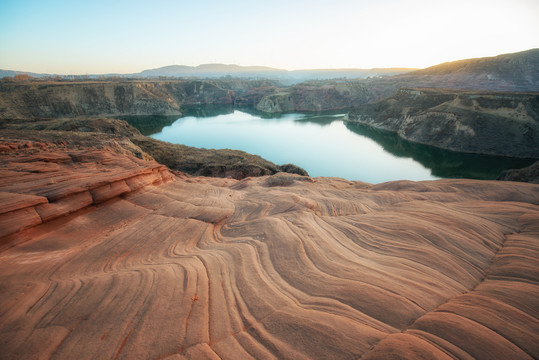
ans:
(39, 185)
(157, 266)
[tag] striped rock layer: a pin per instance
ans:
(104, 256)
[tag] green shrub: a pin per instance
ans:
(280, 180)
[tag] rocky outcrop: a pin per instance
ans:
(110, 256)
(41, 182)
(208, 162)
(493, 123)
(527, 174)
(277, 102)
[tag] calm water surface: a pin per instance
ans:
(323, 145)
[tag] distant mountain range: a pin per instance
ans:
(220, 70)
(209, 69)
(11, 73)
(519, 70)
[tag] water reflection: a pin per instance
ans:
(443, 163)
(149, 124)
(319, 143)
(322, 144)
(203, 111)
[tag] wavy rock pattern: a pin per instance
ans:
(217, 268)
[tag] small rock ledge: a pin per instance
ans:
(39, 187)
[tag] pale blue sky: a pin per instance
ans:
(90, 37)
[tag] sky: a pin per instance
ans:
(119, 36)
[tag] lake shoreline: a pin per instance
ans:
(210, 125)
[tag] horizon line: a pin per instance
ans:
(270, 68)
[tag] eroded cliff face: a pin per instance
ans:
(106, 98)
(320, 96)
(504, 124)
(104, 255)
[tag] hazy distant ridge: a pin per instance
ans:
(218, 70)
(221, 70)
(508, 72)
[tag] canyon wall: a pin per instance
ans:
(320, 96)
(106, 98)
(496, 123)
(493, 123)
(48, 99)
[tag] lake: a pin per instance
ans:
(322, 144)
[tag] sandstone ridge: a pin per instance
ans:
(40, 184)
(120, 258)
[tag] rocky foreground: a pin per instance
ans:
(105, 255)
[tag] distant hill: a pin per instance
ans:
(220, 70)
(507, 72)
(514, 72)
(206, 70)
(326, 74)
(524, 62)
(12, 73)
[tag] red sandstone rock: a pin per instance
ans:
(17, 220)
(65, 206)
(11, 201)
(218, 268)
(109, 191)
(36, 187)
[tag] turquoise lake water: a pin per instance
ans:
(322, 144)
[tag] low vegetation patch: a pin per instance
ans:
(283, 179)
(280, 180)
